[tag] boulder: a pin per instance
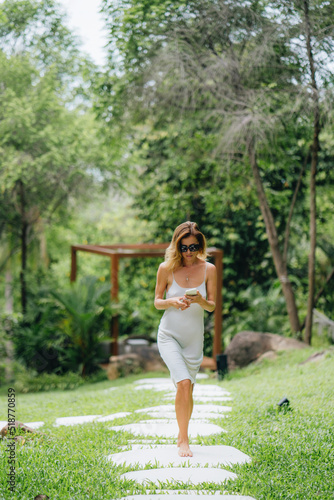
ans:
(270, 355)
(123, 365)
(142, 358)
(248, 346)
(17, 425)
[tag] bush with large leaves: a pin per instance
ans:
(87, 314)
(63, 329)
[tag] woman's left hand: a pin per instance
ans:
(194, 299)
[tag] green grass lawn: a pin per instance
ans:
(292, 451)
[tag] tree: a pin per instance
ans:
(51, 147)
(312, 23)
(236, 64)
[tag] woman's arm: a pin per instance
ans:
(209, 303)
(161, 287)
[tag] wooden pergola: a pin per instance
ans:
(120, 251)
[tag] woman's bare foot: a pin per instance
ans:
(178, 440)
(184, 450)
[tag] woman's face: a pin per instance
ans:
(189, 256)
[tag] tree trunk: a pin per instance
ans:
(24, 245)
(314, 165)
(278, 259)
(9, 304)
(9, 308)
(292, 206)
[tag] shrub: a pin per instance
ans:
(87, 313)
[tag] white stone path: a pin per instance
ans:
(207, 461)
(206, 464)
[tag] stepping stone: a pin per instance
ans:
(165, 384)
(113, 416)
(207, 399)
(171, 415)
(168, 430)
(159, 380)
(139, 443)
(75, 420)
(166, 455)
(183, 474)
(203, 399)
(210, 390)
(35, 425)
(197, 421)
(154, 387)
(199, 411)
(188, 494)
(110, 389)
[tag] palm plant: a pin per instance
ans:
(88, 313)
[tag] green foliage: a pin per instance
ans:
(38, 341)
(137, 284)
(29, 381)
(87, 316)
(52, 149)
(38, 28)
(8, 323)
(41, 147)
(62, 330)
(3, 353)
(256, 310)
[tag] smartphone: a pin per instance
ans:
(191, 291)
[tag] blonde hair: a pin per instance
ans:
(173, 255)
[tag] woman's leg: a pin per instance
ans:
(183, 409)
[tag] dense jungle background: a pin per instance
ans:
(213, 111)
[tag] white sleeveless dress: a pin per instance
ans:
(181, 334)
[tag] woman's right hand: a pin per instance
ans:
(179, 303)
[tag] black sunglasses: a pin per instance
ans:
(192, 248)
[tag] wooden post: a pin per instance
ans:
(217, 340)
(73, 264)
(114, 297)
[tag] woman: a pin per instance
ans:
(180, 336)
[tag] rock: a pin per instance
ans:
(317, 356)
(266, 355)
(248, 346)
(123, 365)
(150, 359)
(145, 359)
(17, 424)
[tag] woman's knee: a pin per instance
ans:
(184, 385)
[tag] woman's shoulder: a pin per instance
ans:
(210, 269)
(210, 266)
(163, 267)
(164, 273)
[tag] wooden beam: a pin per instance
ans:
(73, 264)
(100, 250)
(114, 297)
(138, 246)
